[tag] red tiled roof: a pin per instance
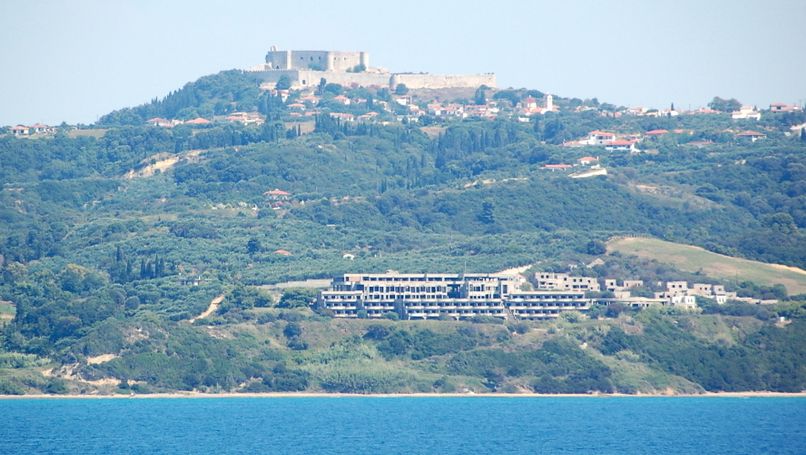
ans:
(601, 133)
(588, 158)
(620, 142)
(282, 252)
(656, 132)
(750, 133)
(198, 121)
(277, 192)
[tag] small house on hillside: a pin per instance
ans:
(588, 160)
(621, 145)
(20, 130)
(752, 135)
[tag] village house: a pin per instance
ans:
(36, 128)
(247, 118)
(343, 116)
(588, 160)
(622, 145)
(277, 198)
(753, 136)
(198, 121)
(746, 113)
(20, 130)
(160, 122)
(784, 108)
(341, 99)
(599, 138)
(796, 129)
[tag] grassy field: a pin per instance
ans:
(692, 259)
(90, 132)
(7, 310)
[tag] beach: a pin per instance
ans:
(757, 394)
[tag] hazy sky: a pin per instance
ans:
(76, 60)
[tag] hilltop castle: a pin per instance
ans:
(307, 68)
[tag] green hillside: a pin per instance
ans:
(112, 239)
(693, 259)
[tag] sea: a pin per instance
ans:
(404, 425)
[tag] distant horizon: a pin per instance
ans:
(76, 62)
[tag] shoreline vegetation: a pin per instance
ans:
(757, 394)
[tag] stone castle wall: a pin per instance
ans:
(310, 78)
(438, 81)
(324, 60)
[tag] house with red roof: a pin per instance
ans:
(656, 133)
(752, 135)
(600, 137)
(20, 130)
(783, 107)
(198, 121)
(588, 160)
(278, 195)
(160, 122)
(40, 128)
(341, 99)
(622, 145)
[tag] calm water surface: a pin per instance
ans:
(404, 426)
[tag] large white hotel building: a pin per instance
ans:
(457, 296)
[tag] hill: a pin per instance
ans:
(695, 259)
(112, 241)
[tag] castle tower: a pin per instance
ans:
(364, 57)
(549, 102)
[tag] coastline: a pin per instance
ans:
(172, 395)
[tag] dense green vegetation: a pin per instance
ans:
(98, 260)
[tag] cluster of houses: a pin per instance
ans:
(305, 103)
(35, 129)
(468, 295)
(246, 118)
(673, 293)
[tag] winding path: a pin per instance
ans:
(214, 304)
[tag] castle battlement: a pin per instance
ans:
(307, 68)
(335, 61)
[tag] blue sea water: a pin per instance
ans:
(404, 426)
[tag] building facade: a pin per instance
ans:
(455, 296)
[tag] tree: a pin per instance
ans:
(297, 298)
(253, 246)
(284, 83)
(401, 89)
(335, 89)
(595, 248)
(723, 105)
(320, 89)
(481, 96)
(487, 215)
(292, 330)
(781, 222)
